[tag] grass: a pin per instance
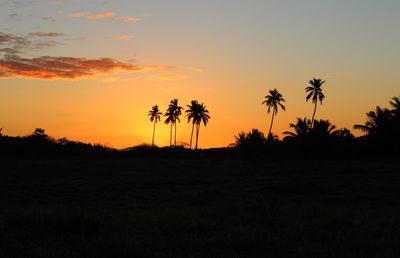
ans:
(199, 208)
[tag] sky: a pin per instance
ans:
(90, 70)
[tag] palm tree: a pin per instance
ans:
(155, 116)
(273, 101)
(314, 91)
(377, 121)
(301, 129)
(170, 120)
(395, 103)
(203, 117)
(197, 113)
(192, 114)
(172, 114)
(177, 112)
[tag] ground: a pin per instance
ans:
(126, 207)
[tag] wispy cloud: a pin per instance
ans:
(47, 67)
(171, 77)
(128, 19)
(13, 64)
(45, 34)
(104, 15)
(92, 16)
(339, 75)
(12, 44)
(122, 37)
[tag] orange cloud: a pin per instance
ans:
(171, 77)
(122, 37)
(128, 19)
(47, 67)
(92, 16)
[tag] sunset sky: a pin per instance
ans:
(91, 70)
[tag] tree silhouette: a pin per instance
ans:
(172, 114)
(314, 91)
(377, 121)
(1, 132)
(170, 120)
(301, 129)
(198, 113)
(155, 116)
(273, 101)
(254, 139)
(395, 103)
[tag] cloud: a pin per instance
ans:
(122, 37)
(47, 67)
(339, 75)
(45, 34)
(128, 19)
(12, 44)
(104, 15)
(171, 77)
(92, 16)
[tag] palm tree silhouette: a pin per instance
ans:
(203, 117)
(177, 112)
(301, 129)
(170, 120)
(273, 101)
(395, 103)
(377, 121)
(155, 116)
(314, 91)
(197, 113)
(192, 114)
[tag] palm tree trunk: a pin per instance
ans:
(272, 122)
(154, 131)
(191, 136)
(170, 135)
(175, 134)
(313, 116)
(197, 134)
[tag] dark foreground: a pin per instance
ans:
(199, 208)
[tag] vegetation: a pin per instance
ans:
(155, 116)
(197, 113)
(273, 101)
(314, 91)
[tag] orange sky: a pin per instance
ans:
(92, 72)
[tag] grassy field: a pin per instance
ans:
(199, 208)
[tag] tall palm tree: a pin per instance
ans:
(170, 120)
(273, 101)
(203, 117)
(314, 91)
(155, 116)
(176, 113)
(197, 113)
(192, 115)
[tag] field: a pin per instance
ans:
(125, 207)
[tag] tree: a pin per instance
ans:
(301, 129)
(377, 122)
(172, 114)
(314, 91)
(253, 140)
(273, 101)
(155, 116)
(203, 117)
(192, 115)
(197, 113)
(395, 103)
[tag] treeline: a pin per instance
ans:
(321, 138)
(39, 144)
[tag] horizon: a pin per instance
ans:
(91, 72)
